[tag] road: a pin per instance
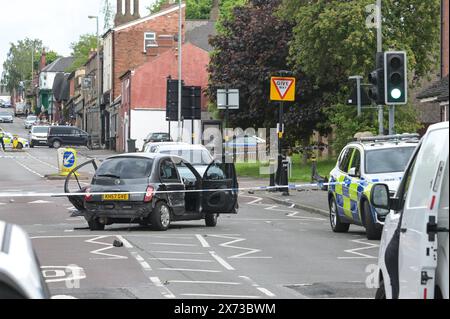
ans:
(264, 252)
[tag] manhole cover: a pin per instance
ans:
(338, 290)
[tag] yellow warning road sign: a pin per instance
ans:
(282, 89)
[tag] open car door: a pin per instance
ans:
(220, 189)
(73, 184)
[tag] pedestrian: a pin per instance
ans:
(2, 134)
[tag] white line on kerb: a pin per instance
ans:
(221, 261)
(203, 241)
(163, 289)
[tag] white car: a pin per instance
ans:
(30, 121)
(197, 155)
(414, 256)
(38, 136)
(20, 271)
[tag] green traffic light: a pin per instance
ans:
(396, 94)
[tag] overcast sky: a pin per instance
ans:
(57, 23)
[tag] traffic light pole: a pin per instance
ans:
(391, 119)
(380, 49)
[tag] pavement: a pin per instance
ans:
(267, 251)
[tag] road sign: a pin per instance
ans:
(67, 160)
(228, 99)
(282, 89)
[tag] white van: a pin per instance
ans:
(414, 256)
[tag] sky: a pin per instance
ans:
(57, 23)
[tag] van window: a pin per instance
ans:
(345, 160)
(443, 205)
(426, 169)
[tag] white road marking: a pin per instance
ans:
(244, 255)
(59, 273)
(125, 242)
(221, 296)
(101, 250)
(182, 259)
(204, 282)
(45, 163)
(356, 251)
(203, 241)
(265, 291)
(40, 202)
(29, 169)
(221, 261)
(175, 252)
(191, 270)
(171, 244)
(163, 289)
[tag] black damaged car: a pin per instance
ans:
(154, 189)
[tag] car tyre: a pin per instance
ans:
(336, 225)
(381, 292)
(160, 217)
(95, 225)
(211, 220)
(56, 144)
(373, 231)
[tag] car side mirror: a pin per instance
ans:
(379, 197)
(353, 173)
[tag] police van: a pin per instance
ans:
(362, 163)
(414, 256)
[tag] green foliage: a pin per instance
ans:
(50, 57)
(331, 42)
(18, 64)
(81, 50)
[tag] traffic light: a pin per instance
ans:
(172, 100)
(377, 79)
(396, 78)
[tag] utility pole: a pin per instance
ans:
(358, 79)
(380, 49)
(98, 83)
(180, 60)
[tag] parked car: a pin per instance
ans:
(38, 135)
(20, 143)
(361, 164)
(6, 117)
(30, 121)
(197, 155)
(157, 138)
(108, 200)
(67, 135)
(414, 254)
(20, 271)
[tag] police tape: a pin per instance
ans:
(157, 192)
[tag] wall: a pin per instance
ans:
(107, 62)
(46, 80)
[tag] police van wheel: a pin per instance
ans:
(336, 225)
(373, 230)
(211, 220)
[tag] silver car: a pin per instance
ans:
(6, 117)
(30, 121)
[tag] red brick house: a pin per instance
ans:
(144, 93)
(132, 42)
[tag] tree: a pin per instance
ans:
(331, 42)
(51, 57)
(81, 50)
(18, 64)
(108, 15)
(257, 43)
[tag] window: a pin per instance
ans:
(388, 160)
(168, 172)
(356, 163)
(215, 173)
(125, 168)
(344, 161)
(150, 40)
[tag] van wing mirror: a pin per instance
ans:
(379, 196)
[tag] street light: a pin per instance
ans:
(98, 79)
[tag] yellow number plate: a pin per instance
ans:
(117, 197)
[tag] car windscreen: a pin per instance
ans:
(195, 157)
(388, 160)
(31, 118)
(125, 168)
(40, 129)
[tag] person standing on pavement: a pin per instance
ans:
(2, 134)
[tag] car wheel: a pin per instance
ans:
(211, 220)
(336, 225)
(160, 218)
(381, 292)
(56, 144)
(373, 230)
(95, 225)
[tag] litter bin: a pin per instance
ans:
(131, 146)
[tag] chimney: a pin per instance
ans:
(136, 14)
(43, 61)
(127, 16)
(214, 14)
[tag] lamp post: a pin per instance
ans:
(98, 81)
(180, 56)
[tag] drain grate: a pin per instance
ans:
(339, 290)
